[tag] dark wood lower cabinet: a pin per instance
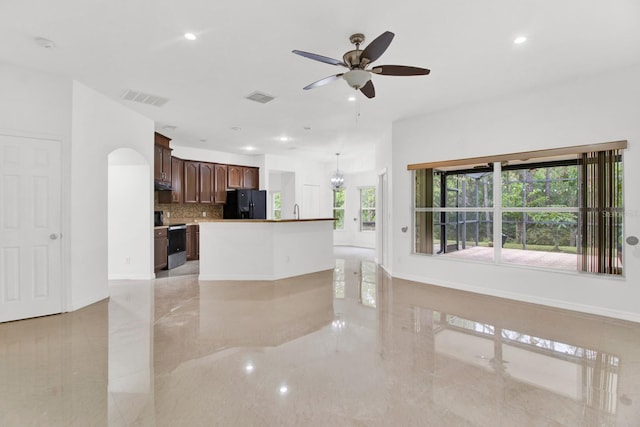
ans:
(160, 244)
(193, 244)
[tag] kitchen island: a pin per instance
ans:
(265, 249)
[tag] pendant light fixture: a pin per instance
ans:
(337, 179)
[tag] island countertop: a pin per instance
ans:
(266, 220)
(196, 221)
(265, 249)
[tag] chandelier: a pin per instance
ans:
(337, 179)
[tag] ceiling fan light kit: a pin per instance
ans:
(359, 76)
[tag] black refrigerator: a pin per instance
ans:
(246, 204)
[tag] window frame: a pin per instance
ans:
(276, 195)
(339, 208)
(577, 155)
(368, 209)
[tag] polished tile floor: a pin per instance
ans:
(349, 347)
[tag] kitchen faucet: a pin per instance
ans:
(296, 211)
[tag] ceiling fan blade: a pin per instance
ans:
(320, 58)
(368, 89)
(377, 47)
(399, 70)
(322, 82)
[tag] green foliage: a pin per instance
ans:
(368, 209)
(338, 223)
(338, 209)
(550, 186)
(338, 198)
(368, 197)
(277, 205)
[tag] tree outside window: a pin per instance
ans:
(338, 209)
(276, 205)
(367, 209)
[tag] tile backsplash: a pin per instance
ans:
(180, 211)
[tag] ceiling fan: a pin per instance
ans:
(359, 76)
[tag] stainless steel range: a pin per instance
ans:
(177, 245)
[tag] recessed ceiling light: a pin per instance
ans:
(235, 128)
(352, 98)
(520, 40)
(203, 140)
(190, 36)
(307, 128)
(249, 148)
(284, 139)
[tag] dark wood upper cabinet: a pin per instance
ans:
(162, 159)
(191, 182)
(198, 182)
(162, 164)
(206, 183)
(234, 176)
(250, 178)
(177, 169)
(220, 184)
(176, 195)
(157, 165)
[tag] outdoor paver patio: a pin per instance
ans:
(558, 260)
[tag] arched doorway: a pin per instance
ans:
(129, 216)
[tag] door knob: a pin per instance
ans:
(53, 236)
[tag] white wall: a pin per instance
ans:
(288, 200)
(129, 257)
(89, 126)
(305, 173)
(383, 163)
(283, 182)
(351, 234)
(37, 104)
(100, 126)
(599, 109)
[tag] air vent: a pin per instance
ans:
(143, 98)
(261, 97)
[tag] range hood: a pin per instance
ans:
(162, 186)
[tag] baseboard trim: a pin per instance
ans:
(131, 277)
(583, 308)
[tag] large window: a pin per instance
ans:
(367, 209)
(338, 209)
(561, 211)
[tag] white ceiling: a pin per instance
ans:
(244, 46)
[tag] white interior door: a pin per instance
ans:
(30, 262)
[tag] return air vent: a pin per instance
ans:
(260, 97)
(144, 98)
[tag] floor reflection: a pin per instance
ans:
(344, 347)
